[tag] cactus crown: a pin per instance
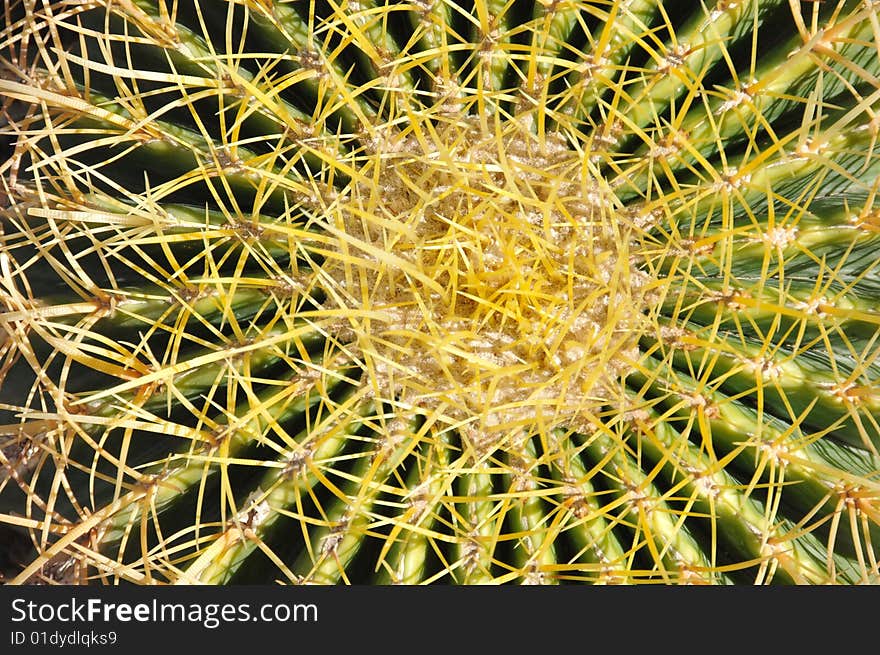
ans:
(441, 290)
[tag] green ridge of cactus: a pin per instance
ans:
(453, 291)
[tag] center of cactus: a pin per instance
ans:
(489, 274)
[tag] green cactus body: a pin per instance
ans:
(454, 291)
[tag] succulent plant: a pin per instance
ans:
(455, 291)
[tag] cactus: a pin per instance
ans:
(453, 291)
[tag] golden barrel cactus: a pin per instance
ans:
(454, 291)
